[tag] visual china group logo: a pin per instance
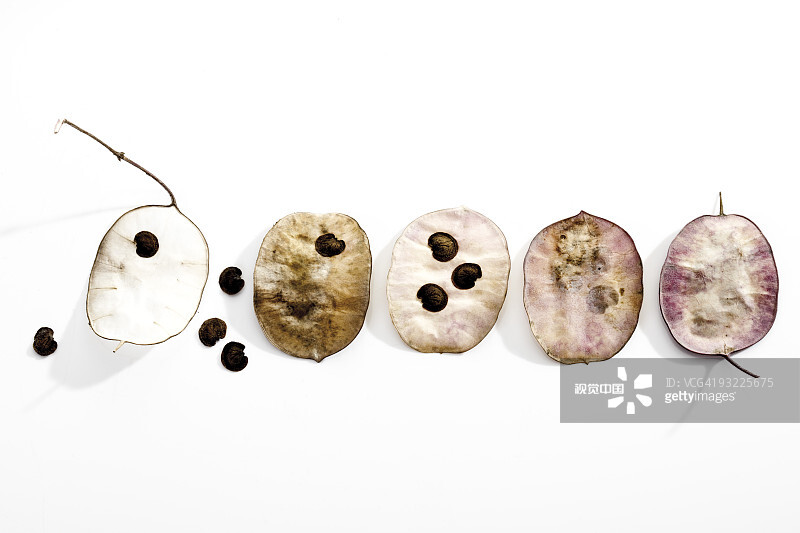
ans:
(641, 382)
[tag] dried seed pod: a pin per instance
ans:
(438, 304)
(230, 280)
(583, 288)
(719, 285)
(43, 342)
(233, 357)
(212, 330)
(311, 283)
(149, 272)
(146, 300)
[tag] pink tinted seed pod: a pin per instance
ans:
(448, 280)
(583, 288)
(719, 285)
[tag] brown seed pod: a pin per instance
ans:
(448, 280)
(311, 283)
(583, 288)
(719, 285)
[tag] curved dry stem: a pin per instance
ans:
(120, 156)
(734, 363)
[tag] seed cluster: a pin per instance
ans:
(444, 247)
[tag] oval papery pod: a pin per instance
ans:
(448, 280)
(311, 283)
(719, 285)
(583, 288)
(149, 273)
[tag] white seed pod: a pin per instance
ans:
(149, 272)
(141, 298)
(583, 288)
(311, 283)
(448, 280)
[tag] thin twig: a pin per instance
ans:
(121, 157)
(720, 204)
(734, 363)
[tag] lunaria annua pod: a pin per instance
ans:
(719, 285)
(448, 280)
(311, 283)
(149, 273)
(583, 288)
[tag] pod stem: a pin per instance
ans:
(121, 157)
(734, 363)
(720, 204)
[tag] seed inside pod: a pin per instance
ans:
(583, 288)
(233, 357)
(433, 297)
(438, 308)
(328, 245)
(212, 330)
(146, 244)
(230, 280)
(443, 246)
(465, 275)
(43, 342)
(311, 290)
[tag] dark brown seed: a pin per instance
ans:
(212, 330)
(328, 245)
(233, 357)
(433, 297)
(464, 275)
(230, 281)
(43, 342)
(443, 246)
(146, 244)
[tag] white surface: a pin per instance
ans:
(526, 112)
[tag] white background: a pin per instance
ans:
(527, 112)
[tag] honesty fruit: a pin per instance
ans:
(448, 280)
(583, 288)
(719, 285)
(311, 283)
(149, 272)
